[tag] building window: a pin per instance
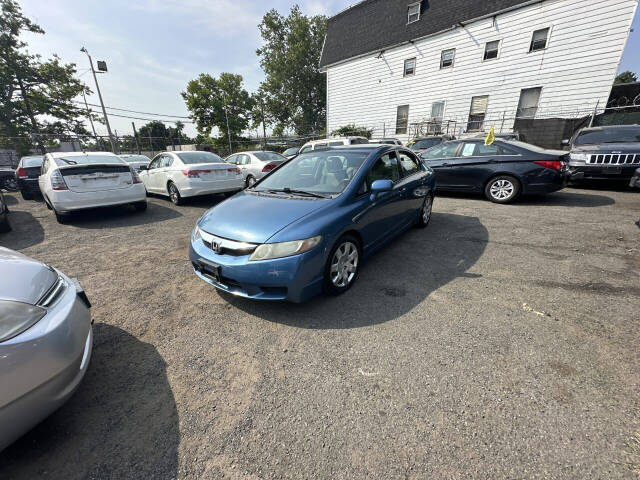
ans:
(446, 58)
(539, 40)
(528, 104)
(409, 67)
(413, 13)
(402, 120)
(477, 113)
(491, 50)
(435, 121)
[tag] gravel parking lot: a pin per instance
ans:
(501, 342)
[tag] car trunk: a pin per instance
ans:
(32, 172)
(214, 171)
(94, 178)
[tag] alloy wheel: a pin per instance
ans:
(427, 208)
(344, 265)
(173, 193)
(502, 189)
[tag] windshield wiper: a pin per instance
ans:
(297, 192)
(69, 162)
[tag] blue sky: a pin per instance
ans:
(154, 47)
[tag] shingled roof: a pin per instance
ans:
(374, 25)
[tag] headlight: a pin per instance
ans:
(578, 157)
(16, 317)
(284, 249)
(195, 235)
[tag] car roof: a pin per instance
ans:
(608, 127)
(81, 154)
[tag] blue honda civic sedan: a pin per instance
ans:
(306, 227)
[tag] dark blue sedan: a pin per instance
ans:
(502, 171)
(306, 227)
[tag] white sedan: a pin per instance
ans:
(255, 165)
(187, 174)
(71, 181)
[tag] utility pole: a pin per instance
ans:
(228, 130)
(264, 128)
(104, 111)
(135, 134)
(93, 128)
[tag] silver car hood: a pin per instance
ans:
(23, 279)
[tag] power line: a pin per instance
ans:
(136, 111)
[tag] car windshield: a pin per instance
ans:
(290, 151)
(32, 161)
(608, 135)
(190, 158)
(88, 160)
(269, 156)
(135, 158)
(427, 143)
(326, 172)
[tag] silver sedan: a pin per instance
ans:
(255, 165)
(45, 342)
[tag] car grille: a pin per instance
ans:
(614, 159)
(225, 246)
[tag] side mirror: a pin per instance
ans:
(144, 167)
(565, 142)
(380, 186)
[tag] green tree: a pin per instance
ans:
(154, 136)
(35, 96)
(352, 131)
(294, 88)
(626, 77)
(216, 102)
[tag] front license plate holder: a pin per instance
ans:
(209, 270)
(612, 170)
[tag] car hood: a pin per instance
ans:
(255, 218)
(630, 147)
(24, 279)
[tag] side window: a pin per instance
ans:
(408, 163)
(386, 168)
(483, 150)
(319, 146)
(444, 150)
(155, 162)
(506, 151)
(305, 149)
(468, 149)
(246, 159)
(232, 159)
(168, 161)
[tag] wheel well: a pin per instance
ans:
(356, 234)
(169, 182)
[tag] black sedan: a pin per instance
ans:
(4, 210)
(27, 175)
(502, 171)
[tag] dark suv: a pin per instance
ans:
(611, 152)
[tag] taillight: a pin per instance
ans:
(268, 167)
(57, 181)
(21, 173)
(136, 177)
(235, 170)
(194, 173)
(552, 164)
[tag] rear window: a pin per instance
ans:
(190, 158)
(526, 146)
(269, 156)
(608, 135)
(88, 160)
(32, 161)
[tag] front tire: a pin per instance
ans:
(342, 267)
(425, 212)
(502, 189)
(174, 194)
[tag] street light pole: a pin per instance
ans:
(104, 111)
(228, 129)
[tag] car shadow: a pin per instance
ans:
(10, 200)
(609, 185)
(392, 282)
(121, 216)
(26, 231)
(121, 423)
(567, 199)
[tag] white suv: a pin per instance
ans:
(71, 181)
(331, 142)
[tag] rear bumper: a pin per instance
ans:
(598, 172)
(29, 185)
(548, 181)
(200, 187)
(43, 366)
(68, 201)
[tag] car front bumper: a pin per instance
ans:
(203, 187)
(68, 201)
(600, 172)
(43, 366)
(296, 278)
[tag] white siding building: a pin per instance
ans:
(469, 64)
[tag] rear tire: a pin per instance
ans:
(10, 184)
(5, 226)
(425, 212)
(174, 194)
(140, 206)
(250, 181)
(60, 218)
(502, 189)
(26, 195)
(343, 265)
